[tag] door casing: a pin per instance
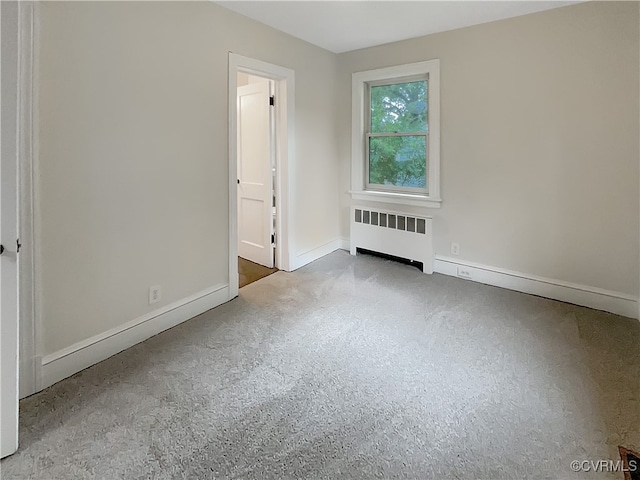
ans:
(284, 80)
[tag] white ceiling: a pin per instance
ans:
(342, 26)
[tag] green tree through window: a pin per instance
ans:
(397, 139)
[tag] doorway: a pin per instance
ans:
(256, 153)
(261, 147)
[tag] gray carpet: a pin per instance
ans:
(350, 368)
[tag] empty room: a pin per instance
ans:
(354, 239)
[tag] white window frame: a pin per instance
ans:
(360, 188)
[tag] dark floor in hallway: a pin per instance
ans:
(249, 272)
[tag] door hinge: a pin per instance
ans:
(18, 245)
(272, 100)
(273, 239)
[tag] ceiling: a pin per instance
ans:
(342, 26)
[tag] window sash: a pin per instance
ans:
(396, 134)
(395, 188)
(368, 135)
(406, 79)
(392, 81)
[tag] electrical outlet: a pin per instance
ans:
(155, 294)
(455, 249)
(464, 272)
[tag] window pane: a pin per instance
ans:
(400, 107)
(398, 161)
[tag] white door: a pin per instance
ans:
(255, 189)
(8, 230)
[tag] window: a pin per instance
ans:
(395, 150)
(396, 144)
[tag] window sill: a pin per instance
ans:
(396, 198)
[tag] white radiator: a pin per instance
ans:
(403, 235)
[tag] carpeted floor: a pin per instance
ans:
(350, 368)
(249, 272)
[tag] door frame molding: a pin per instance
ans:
(28, 205)
(284, 80)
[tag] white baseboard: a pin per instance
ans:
(593, 297)
(345, 243)
(77, 357)
(319, 252)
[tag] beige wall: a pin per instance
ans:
(133, 154)
(539, 149)
(539, 141)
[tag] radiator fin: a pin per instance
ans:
(388, 220)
